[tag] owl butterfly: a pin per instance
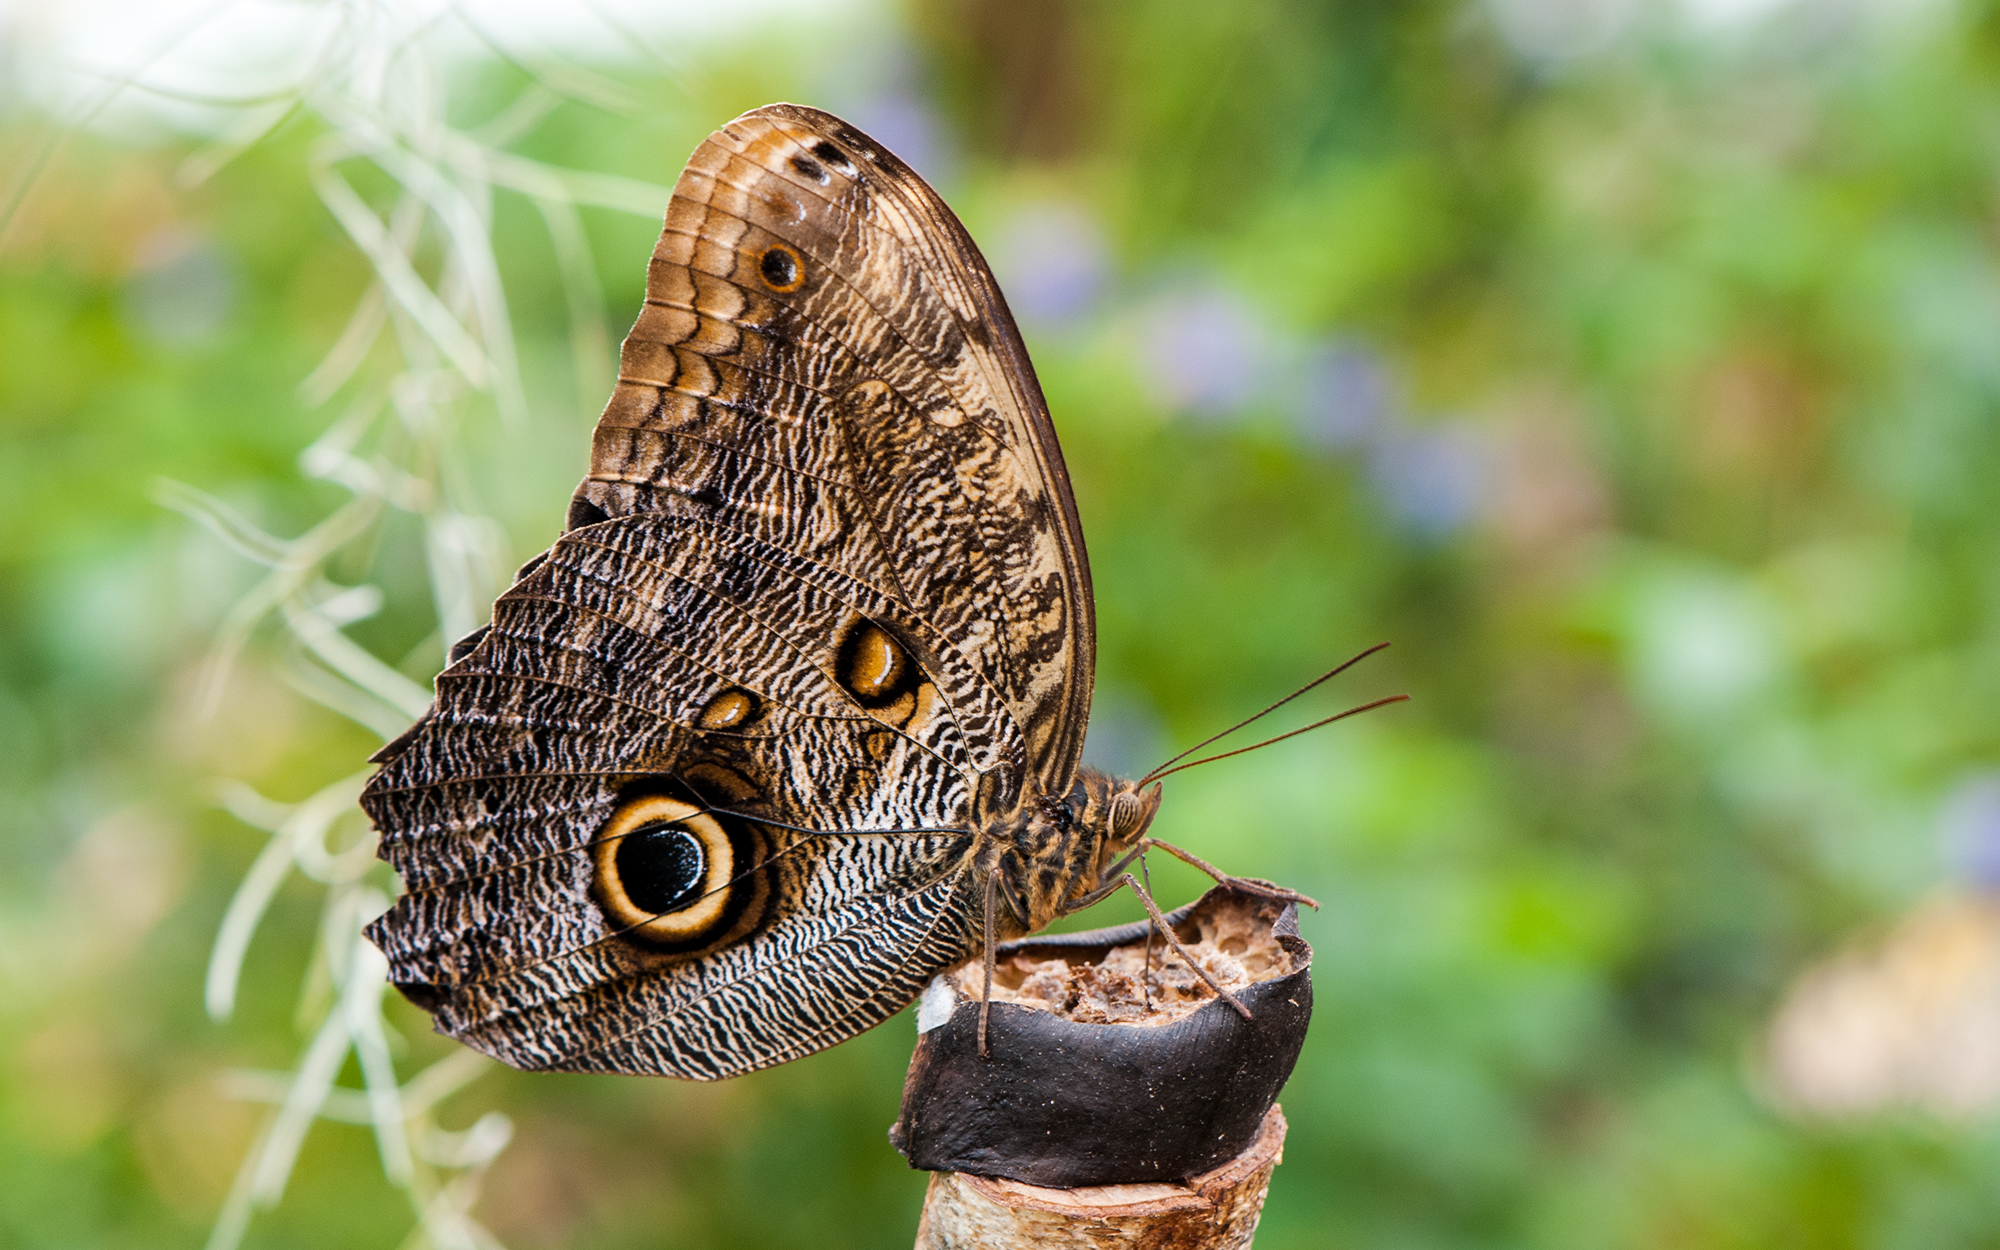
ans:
(789, 717)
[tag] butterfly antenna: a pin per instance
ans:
(1331, 673)
(1163, 771)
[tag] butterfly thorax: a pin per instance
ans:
(1052, 852)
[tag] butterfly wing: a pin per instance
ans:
(879, 390)
(699, 800)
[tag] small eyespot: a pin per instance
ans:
(781, 269)
(810, 168)
(730, 709)
(833, 156)
(874, 668)
(874, 664)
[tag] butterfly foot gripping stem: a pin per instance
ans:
(1167, 931)
(986, 988)
(1247, 885)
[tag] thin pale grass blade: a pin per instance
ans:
(444, 1221)
(565, 78)
(400, 279)
(576, 186)
(371, 1047)
(30, 172)
(234, 1219)
(472, 1147)
(213, 157)
(311, 1083)
(676, 69)
(250, 807)
(343, 697)
(236, 531)
(472, 247)
(527, 110)
(341, 606)
(299, 566)
(232, 941)
(317, 992)
(351, 661)
(364, 326)
(418, 395)
(370, 314)
(339, 934)
(419, 1096)
(306, 831)
(465, 565)
(439, 1081)
(344, 1106)
(332, 458)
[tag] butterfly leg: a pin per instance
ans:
(1160, 923)
(1146, 969)
(1114, 882)
(986, 991)
(1248, 885)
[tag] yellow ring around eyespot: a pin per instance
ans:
(781, 256)
(698, 916)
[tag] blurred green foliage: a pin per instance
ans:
(1646, 394)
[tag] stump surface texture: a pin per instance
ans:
(1217, 1210)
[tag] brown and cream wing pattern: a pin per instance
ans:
(822, 596)
(637, 664)
(825, 361)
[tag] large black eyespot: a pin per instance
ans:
(662, 867)
(664, 871)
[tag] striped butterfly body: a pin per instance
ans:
(788, 719)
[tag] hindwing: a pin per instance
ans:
(700, 798)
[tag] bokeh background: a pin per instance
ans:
(1633, 367)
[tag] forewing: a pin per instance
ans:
(825, 361)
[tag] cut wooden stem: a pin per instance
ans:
(1217, 1210)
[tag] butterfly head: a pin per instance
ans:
(1056, 851)
(1117, 810)
(1132, 809)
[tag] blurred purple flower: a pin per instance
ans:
(904, 122)
(1431, 479)
(1205, 351)
(1051, 262)
(1969, 827)
(1347, 395)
